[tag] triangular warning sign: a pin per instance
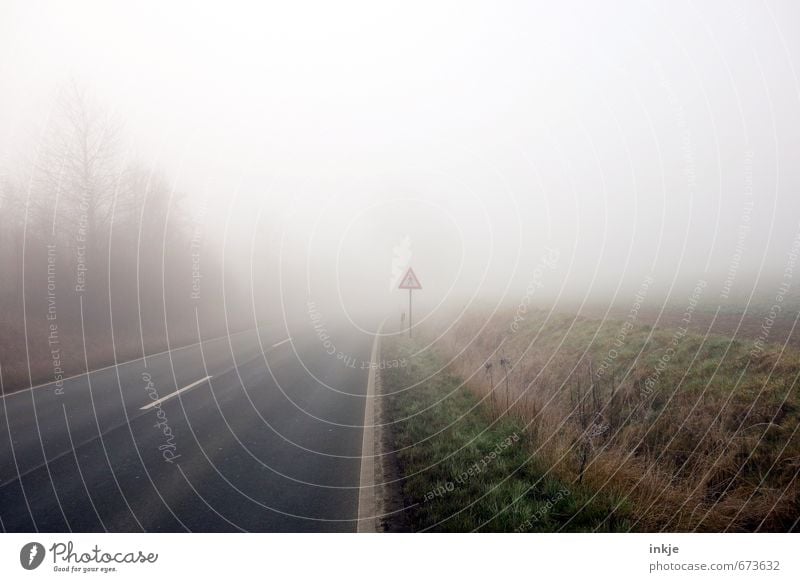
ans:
(410, 281)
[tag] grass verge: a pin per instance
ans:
(462, 471)
(699, 432)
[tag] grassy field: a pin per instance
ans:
(619, 426)
(465, 471)
(696, 432)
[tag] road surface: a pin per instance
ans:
(256, 432)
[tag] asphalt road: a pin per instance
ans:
(270, 442)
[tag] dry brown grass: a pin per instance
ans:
(713, 445)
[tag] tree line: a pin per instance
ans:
(101, 258)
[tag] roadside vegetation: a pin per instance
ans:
(700, 433)
(467, 470)
(647, 429)
(103, 260)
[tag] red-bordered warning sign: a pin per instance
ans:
(410, 281)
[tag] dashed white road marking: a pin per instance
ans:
(168, 396)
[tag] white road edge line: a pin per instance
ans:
(120, 364)
(126, 362)
(168, 396)
(367, 504)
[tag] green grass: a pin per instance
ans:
(708, 441)
(464, 472)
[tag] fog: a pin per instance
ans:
(497, 148)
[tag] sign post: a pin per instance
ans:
(410, 282)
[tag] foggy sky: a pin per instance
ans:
(641, 139)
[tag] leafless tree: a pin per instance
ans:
(79, 171)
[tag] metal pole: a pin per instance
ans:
(409, 313)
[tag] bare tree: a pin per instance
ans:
(78, 172)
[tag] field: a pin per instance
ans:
(465, 471)
(668, 430)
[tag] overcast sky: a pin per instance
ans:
(643, 138)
